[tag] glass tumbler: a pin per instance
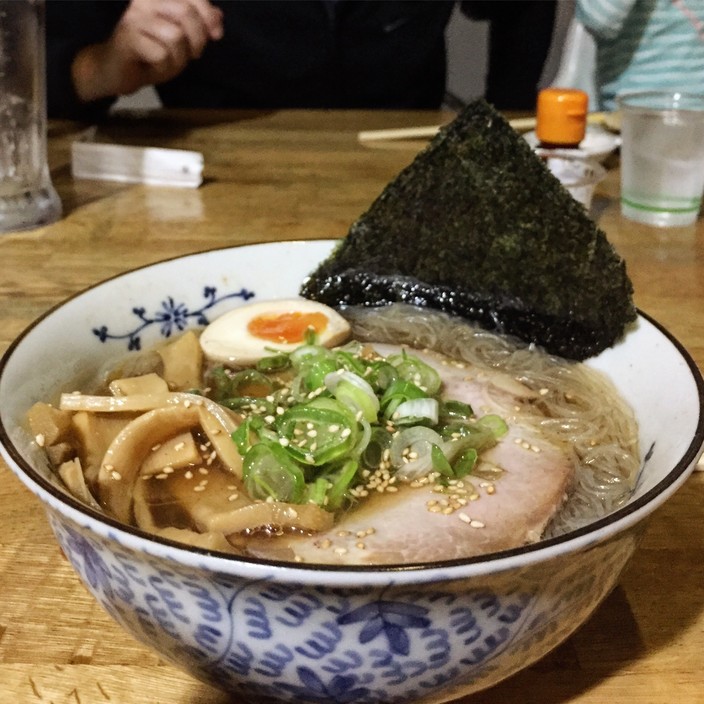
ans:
(27, 196)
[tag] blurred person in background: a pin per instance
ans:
(271, 54)
(645, 45)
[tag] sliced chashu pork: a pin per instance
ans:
(414, 525)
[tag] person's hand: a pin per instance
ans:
(153, 42)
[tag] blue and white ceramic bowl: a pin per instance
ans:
(323, 634)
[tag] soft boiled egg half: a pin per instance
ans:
(246, 334)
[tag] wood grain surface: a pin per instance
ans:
(287, 175)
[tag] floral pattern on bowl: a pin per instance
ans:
(290, 642)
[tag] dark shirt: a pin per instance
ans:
(318, 54)
(279, 54)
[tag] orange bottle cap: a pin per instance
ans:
(561, 116)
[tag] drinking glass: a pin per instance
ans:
(662, 157)
(27, 196)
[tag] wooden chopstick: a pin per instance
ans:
(398, 133)
(520, 124)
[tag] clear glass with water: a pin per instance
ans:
(662, 157)
(27, 196)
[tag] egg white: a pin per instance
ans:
(227, 338)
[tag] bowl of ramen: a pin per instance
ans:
(298, 504)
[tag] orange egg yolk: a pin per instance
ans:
(286, 327)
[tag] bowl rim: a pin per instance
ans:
(132, 537)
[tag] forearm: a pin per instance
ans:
(70, 26)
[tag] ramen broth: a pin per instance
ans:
(188, 483)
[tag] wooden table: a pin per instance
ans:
(286, 175)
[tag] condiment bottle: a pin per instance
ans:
(561, 119)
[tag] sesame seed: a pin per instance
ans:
(162, 476)
(116, 475)
(464, 517)
(203, 470)
(233, 497)
(40, 439)
(283, 442)
(188, 474)
(199, 488)
(178, 447)
(156, 447)
(476, 524)
(168, 470)
(360, 545)
(109, 467)
(340, 551)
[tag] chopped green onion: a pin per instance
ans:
(316, 491)
(315, 371)
(354, 392)
(496, 424)
(305, 436)
(379, 443)
(310, 336)
(382, 375)
(248, 428)
(416, 371)
(440, 462)
(256, 404)
(456, 410)
(417, 411)
(410, 451)
(274, 363)
(318, 432)
(399, 391)
(268, 471)
(220, 384)
(466, 463)
(350, 361)
(250, 382)
(340, 483)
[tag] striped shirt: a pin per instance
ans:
(645, 45)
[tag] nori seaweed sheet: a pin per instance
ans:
(477, 226)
